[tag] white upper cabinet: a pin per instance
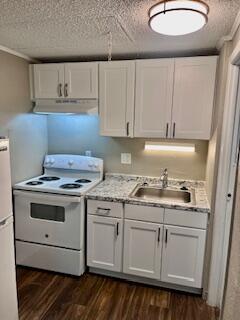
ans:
(81, 80)
(116, 98)
(183, 256)
(65, 80)
(142, 249)
(157, 98)
(48, 80)
(153, 104)
(193, 97)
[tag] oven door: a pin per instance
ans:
(50, 219)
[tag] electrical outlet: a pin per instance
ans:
(126, 158)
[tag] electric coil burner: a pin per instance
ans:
(71, 186)
(49, 178)
(34, 183)
(83, 181)
(50, 213)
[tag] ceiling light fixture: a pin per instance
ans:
(178, 17)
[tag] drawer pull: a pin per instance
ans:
(166, 236)
(117, 228)
(127, 128)
(167, 130)
(103, 210)
(60, 90)
(174, 129)
(66, 90)
(159, 232)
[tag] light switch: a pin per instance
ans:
(126, 158)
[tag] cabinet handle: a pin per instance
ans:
(167, 130)
(60, 90)
(174, 129)
(117, 228)
(127, 128)
(103, 210)
(159, 232)
(166, 236)
(66, 90)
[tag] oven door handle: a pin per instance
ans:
(47, 196)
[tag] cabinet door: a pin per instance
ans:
(81, 80)
(104, 243)
(183, 256)
(193, 99)
(154, 90)
(48, 80)
(116, 98)
(142, 249)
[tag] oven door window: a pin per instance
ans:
(47, 212)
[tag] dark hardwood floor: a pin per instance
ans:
(49, 296)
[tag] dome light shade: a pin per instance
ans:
(178, 17)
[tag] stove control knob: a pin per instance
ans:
(47, 161)
(95, 166)
(70, 162)
(52, 161)
(90, 165)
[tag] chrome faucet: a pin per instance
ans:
(164, 179)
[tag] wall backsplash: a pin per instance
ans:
(78, 133)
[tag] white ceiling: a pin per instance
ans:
(48, 29)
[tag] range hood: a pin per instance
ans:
(66, 106)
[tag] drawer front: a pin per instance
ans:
(50, 258)
(105, 208)
(144, 213)
(186, 218)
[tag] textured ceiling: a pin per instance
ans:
(48, 29)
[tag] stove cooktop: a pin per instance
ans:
(58, 184)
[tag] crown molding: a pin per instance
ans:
(18, 54)
(232, 33)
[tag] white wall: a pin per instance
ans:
(214, 143)
(27, 132)
(231, 309)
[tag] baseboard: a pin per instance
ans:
(146, 281)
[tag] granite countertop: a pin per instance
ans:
(118, 187)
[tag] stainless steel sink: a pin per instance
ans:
(165, 195)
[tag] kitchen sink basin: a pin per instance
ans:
(165, 195)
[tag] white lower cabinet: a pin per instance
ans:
(104, 242)
(167, 245)
(142, 249)
(183, 256)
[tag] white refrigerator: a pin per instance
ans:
(8, 291)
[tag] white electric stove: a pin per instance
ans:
(50, 213)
